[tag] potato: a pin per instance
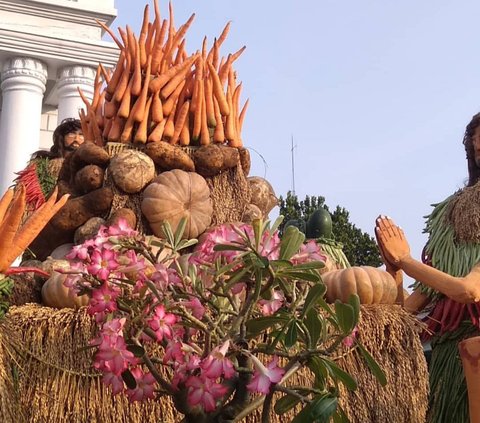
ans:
(212, 159)
(89, 178)
(168, 157)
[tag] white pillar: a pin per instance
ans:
(23, 82)
(69, 100)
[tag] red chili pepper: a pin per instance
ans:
(26, 269)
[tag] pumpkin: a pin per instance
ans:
(371, 284)
(319, 224)
(55, 294)
(174, 195)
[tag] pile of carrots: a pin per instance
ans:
(158, 92)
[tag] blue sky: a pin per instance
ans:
(376, 95)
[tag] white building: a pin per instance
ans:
(48, 48)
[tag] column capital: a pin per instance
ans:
(76, 75)
(24, 67)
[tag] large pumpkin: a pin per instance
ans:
(371, 284)
(55, 294)
(176, 194)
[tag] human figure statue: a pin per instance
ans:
(448, 281)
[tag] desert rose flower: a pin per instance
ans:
(263, 376)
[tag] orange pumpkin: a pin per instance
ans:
(55, 294)
(371, 284)
(176, 194)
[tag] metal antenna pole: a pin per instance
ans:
(293, 167)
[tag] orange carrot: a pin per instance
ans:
(86, 129)
(107, 127)
(204, 48)
(124, 109)
(106, 74)
(117, 74)
(219, 133)
(178, 37)
(143, 37)
(157, 10)
(160, 81)
(11, 221)
(132, 47)
(204, 132)
(157, 108)
(230, 122)
(96, 132)
(138, 109)
(180, 122)
(136, 87)
(170, 102)
(99, 112)
(111, 108)
(197, 116)
(157, 52)
(173, 84)
(180, 52)
(110, 32)
(116, 129)
(123, 82)
(209, 103)
(169, 127)
(224, 34)
(185, 133)
(85, 100)
(126, 135)
(218, 91)
(141, 133)
(242, 115)
(5, 202)
(150, 38)
(157, 133)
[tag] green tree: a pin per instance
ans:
(359, 247)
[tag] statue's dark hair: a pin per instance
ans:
(473, 169)
(57, 150)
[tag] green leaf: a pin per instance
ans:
(228, 247)
(340, 416)
(311, 265)
(167, 230)
(319, 410)
(258, 325)
(180, 229)
(303, 276)
(291, 242)
(129, 379)
(345, 316)
(316, 365)
(314, 326)
(341, 375)
(373, 365)
(354, 301)
(315, 292)
(137, 350)
(291, 335)
(286, 403)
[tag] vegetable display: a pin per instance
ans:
(160, 92)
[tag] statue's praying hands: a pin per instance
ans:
(396, 251)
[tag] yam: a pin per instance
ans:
(88, 230)
(123, 213)
(212, 159)
(131, 170)
(245, 160)
(169, 157)
(89, 153)
(89, 178)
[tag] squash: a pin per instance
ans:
(55, 294)
(319, 224)
(173, 195)
(371, 284)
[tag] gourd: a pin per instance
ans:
(55, 294)
(319, 224)
(174, 195)
(371, 284)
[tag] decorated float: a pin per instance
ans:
(166, 159)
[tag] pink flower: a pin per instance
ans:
(350, 339)
(195, 306)
(216, 364)
(102, 263)
(263, 376)
(204, 392)
(104, 299)
(114, 380)
(109, 332)
(270, 245)
(161, 323)
(145, 385)
(309, 251)
(174, 352)
(114, 358)
(182, 370)
(269, 307)
(121, 228)
(81, 252)
(130, 264)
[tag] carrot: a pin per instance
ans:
(180, 122)
(141, 134)
(111, 108)
(194, 91)
(138, 109)
(106, 74)
(11, 221)
(84, 99)
(124, 36)
(180, 53)
(169, 127)
(230, 132)
(86, 129)
(123, 82)
(5, 202)
(204, 132)
(185, 132)
(97, 84)
(99, 112)
(117, 74)
(116, 129)
(157, 133)
(161, 80)
(204, 48)
(157, 10)
(197, 115)
(170, 102)
(96, 132)
(218, 90)
(110, 32)
(136, 87)
(209, 103)
(143, 37)
(107, 127)
(223, 35)
(157, 52)
(157, 108)
(242, 115)
(178, 37)
(124, 109)
(132, 47)
(218, 133)
(150, 38)
(175, 82)
(126, 135)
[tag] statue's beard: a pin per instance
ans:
(72, 147)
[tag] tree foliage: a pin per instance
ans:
(359, 247)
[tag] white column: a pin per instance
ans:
(22, 83)
(69, 100)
